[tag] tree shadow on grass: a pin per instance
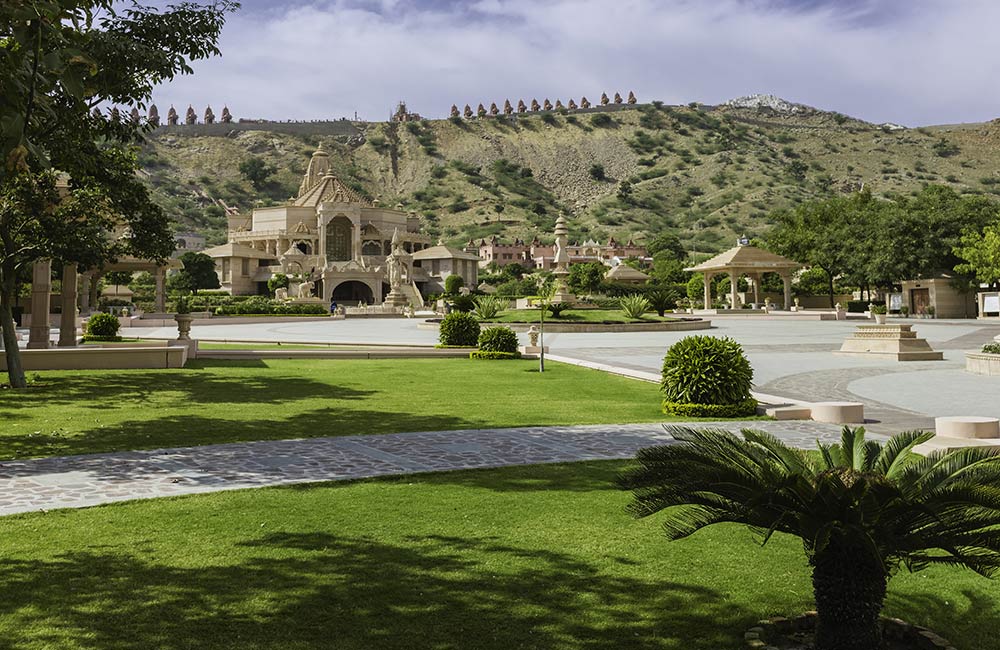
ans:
(196, 430)
(96, 389)
(974, 628)
(316, 590)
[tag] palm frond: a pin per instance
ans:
(896, 453)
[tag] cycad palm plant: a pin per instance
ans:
(861, 508)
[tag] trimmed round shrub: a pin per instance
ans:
(103, 325)
(991, 348)
(705, 370)
(452, 284)
(459, 328)
(498, 339)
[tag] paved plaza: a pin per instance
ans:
(791, 358)
(80, 481)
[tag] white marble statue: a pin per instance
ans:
(305, 289)
(281, 293)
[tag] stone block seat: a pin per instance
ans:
(897, 342)
(838, 412)
(967, 426)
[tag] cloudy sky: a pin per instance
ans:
(914, 62)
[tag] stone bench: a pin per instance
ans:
(838, 412)
(967, 426)
(787, 412)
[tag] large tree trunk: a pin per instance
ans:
(15, 372)
(849, 587)
(829, 278)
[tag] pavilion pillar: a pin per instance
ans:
(786, 280)
(756, 289)
(161, 293)
(708, 290)
(83, 290)
(67, 320)
(733, 287)
(41, 288)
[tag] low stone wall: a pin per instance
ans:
(98, 358)
(981, 363)
(552, 327)
(225, 320)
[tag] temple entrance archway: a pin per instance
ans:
(353, 291)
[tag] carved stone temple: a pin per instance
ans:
(342, 242)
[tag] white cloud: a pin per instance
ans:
(933, 63)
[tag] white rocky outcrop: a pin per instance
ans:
(769, 101)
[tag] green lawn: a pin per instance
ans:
(575, 316)
(72, 412)
(529, 558)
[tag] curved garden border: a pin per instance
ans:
(982, 363)
(556, 327)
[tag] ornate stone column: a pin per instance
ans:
(161, 293)
(41, 288)
(708, 290)
(756, 288)
(786, 280)
(733, 287)
(67, 320)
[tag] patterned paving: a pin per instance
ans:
(80, 481)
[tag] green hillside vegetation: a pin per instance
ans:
(707, 174)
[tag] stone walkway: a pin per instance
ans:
(80, 481)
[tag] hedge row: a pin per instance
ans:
(487, 354)
(740, 409)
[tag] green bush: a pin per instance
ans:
(459, 328)
(634, 306)
(740, 409)
(452, 284)
(498, 339)
(462, 303)
(601, 120)
(663, 299)
(277, 281)
(488, 307)
(706, 370)
(991, 348)
(880, 309)
(482, 354)
(557, 308)
(104, 325)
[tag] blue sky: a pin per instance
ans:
(915, 62)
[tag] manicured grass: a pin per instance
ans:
(541, 557)
(209, 345)
(73, 412)
(575, 316)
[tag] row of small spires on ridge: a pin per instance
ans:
(495, 241)
(508, 109)
(153, 117)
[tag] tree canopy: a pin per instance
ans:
(59, 61)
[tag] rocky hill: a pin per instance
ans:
(707, 173)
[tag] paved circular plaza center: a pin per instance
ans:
(792, 359)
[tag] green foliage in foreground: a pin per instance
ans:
(102, 325)
(540, 557)
(862, 509)
(75, 412)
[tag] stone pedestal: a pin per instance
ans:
(396, 299)
(183, 326)
(897, 342)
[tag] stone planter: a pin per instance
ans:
(982, 363)
(779, 632)
(183, 326)
(880, 319)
